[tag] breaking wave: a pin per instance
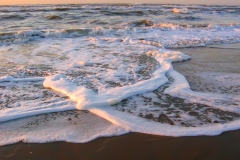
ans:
(229, 33)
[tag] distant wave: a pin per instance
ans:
(62, 9)
(142, 23)
(23, 36)
(12, 17)
(39, 9)
(126, 12)
(134, 28)
(183, 17)
(194, 26)
(182, 10)
(53, 17)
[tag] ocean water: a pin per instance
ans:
(77, 72)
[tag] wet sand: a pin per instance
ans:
(212, 69)
(214, 60)
(132, 146)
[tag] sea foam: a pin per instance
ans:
(109, 61)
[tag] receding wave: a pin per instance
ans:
(110, 60)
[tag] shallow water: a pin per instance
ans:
(115, 61)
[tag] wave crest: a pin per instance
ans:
(183, 10)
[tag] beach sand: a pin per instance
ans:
(132, 146)
(201, 71)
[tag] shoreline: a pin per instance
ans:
(132, 146)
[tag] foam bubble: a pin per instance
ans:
(11, 79)
(113, 101)
(182, 10)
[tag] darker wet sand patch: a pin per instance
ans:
(212, 69)
(132, 146)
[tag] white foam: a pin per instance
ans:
(6, 78)
(87, 99)
(26, 97)
(70, 126)
(181, 35)
(82, 63)
(98, 67)
(181, 88)
(136, 124)
(98, 53)
(99, 103)
(12, 79)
